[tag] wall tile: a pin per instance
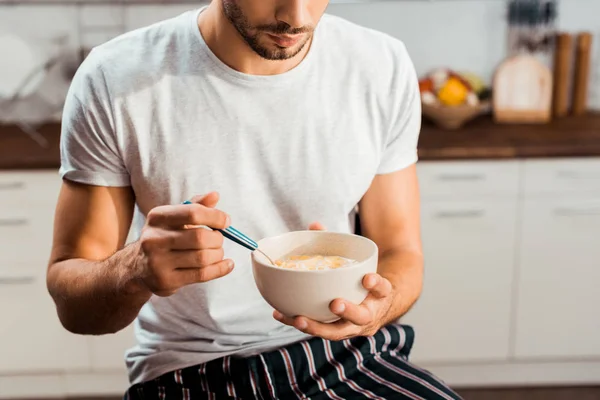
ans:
(461, 34)
(102, 16)
(39, 22)
(143, 15)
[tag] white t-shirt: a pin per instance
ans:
(157, 110)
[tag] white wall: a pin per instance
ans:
(461, 34)
(465, 34)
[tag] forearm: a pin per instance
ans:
(404, 270)
(97, 297)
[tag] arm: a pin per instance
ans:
(90, 277)
(389, 214)
(97, 286)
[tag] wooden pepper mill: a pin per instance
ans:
(582, 73)
(562, 74)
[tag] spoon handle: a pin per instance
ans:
(235, 236)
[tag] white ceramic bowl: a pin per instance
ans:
(309, 293)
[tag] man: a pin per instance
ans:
(262, 113)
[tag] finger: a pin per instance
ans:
(356, 314)
(377, 285)
(195, 239)
(205, 274)
(194, 258)
(284, 319)
(209, 200)
(316, 226)
(177, 216)
(331, 331)
(165, 293)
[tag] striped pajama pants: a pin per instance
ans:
(374, 367)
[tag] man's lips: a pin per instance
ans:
(285, 40)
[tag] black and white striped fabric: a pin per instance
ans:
(374, 367)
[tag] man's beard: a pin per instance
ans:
(237, 18)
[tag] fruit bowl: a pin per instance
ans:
(455, 117)
(451, 99)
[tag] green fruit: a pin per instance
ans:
(476, 82)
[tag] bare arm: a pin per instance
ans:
(98, 286)
(90, 276)
(390, 216)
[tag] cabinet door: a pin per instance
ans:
(464, 311)
(558, 296)
(32, 340)
(108, 351)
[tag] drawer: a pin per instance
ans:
(25, 240)
(460, 179)
(31, 188)
(563, 176)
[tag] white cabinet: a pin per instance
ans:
(27, 202)
(443, 180)
(562, 177)
(25, 245)
(558, 302)
(108, 351)
(464, 311)
(32, 340)
(468, 230)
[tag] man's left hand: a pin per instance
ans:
(356, 320)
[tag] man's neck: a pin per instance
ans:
(228, 45)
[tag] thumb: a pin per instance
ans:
(209, 200)
(316, 226)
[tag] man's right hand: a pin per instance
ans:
(175, 253)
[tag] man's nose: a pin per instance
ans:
(294, 13)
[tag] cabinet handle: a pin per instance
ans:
(16, 280)
(569, 212)
(12, 185)
(461, 177)
(13, 221)
(460, 214)
(576, 175)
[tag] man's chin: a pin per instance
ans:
(273, 52)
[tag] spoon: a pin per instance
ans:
(238, 237)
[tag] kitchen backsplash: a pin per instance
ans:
(460, 34)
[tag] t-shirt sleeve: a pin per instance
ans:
(405, 117)
(89, 148)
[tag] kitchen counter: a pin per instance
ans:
(484, 139)
(480, 139)
(19, 151)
